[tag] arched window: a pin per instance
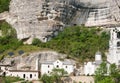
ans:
(118, 44)
(57, 66)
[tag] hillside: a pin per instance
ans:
(79, 42)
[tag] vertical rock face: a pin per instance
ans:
(115, 9)
(43, 19)
(38, 18)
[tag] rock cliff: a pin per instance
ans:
(44, 19)
(23, 61)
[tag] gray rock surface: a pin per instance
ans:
(44, 19)
(29, 60)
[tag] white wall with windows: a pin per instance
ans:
(27, 75)
(47, 67)
(114, 46)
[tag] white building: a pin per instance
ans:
(25, 74)
(90, 67)
(4, 69)
(48, 66)
(114, 46)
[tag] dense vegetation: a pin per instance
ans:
(9, 79)
(4, 5)
(79, 42)
(102, 74)
(8, 39)
(54, 77)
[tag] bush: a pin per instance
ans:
(4, 5)
(36, 42)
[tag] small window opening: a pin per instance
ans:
(118, 35)
(66, 66)
(23, 75)
(118, 44)
(30, 75)
(57, 66)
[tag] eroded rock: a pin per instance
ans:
(44, 19)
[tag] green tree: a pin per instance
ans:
(57, 74)
(4, 5)
(47, 79)
(54, 76)
(100, 72)
(115, 73)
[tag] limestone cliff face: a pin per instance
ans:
(23, 61)
(44, 19)
(38, 18)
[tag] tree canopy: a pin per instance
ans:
(105, 74)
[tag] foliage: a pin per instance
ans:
(106, 80)
(78, 41)
(47, 79)
(100, 72)
(54, 76)
(115, 73)
(101, 75)
(36, 41)
(4, 5)
(8, 39)
(9, 79)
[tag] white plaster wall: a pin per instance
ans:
(114, 52)
(35, 75)
(69, 69)
(45, 69)
(59, 63)
(89, 68)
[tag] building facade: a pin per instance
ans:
(90, 67)
(114, 46)
(48, 66)
(25, 74)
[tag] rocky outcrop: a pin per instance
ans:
(29, 60)
(44, 19)
(38, 18)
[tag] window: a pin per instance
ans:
(66, 66)
(35, 75)
(48, 66)
(57, 66)
(48, 71)
(30, 75)
(23, 75)
(118, 35)
(118, 44)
